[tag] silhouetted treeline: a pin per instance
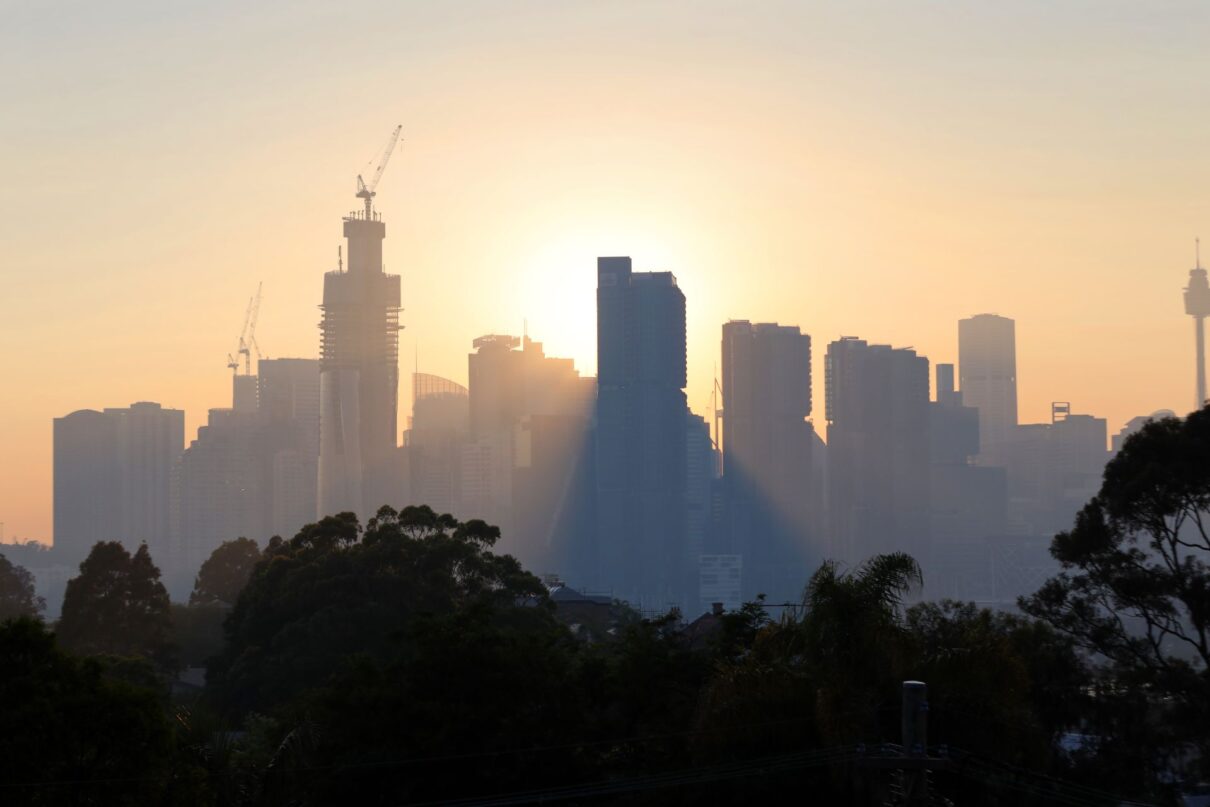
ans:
(404, 661)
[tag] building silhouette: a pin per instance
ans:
(434, 442)
(1054, 469)
(359, 375)
(987, 364)
(530, 417)
(112, 472)
(641, 454)
(702, 506)
(288, 406)
(771, 502)
(969, 501)
(877, 407)
(251, 471)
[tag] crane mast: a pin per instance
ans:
(365, 191)
(247, 336)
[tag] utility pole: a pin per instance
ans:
(910, 760)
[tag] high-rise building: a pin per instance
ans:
(878, 450)
(288, 409)
(529, 414)
(435, 441)
(86, 486)
(969, 501)
(641, 454)
(767, 456)
(359, 375)
(251, 472)
(112, 474)
(987, 364)
(1054, 469)
(219, 493)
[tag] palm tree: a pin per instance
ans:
(854, 638)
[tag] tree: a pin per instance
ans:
(331, 593)
(17, 595)
(1135, 580)
(117, 605)
(225, 573)
(70, 734)
(410, 639)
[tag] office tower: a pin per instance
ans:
(86, 487)
(1054, 469)
(434, 442)
(877, 407)
(219, 493)
(359, 375)
(767, 456)
(969, 502)
(640, 440)
(703, 469)
(1197, 305)
(529, 416)
(112, 472)
(251, 472)
(987, 364)
(288, 410)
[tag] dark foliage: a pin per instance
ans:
(225, 573)
(1135, 584)
(71, 733)
(118, 606)
(17, 595)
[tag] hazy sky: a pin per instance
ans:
(878, 169)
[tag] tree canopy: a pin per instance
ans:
(17, 595)
(1135, 581)
(118, 606)
(225, 573)
(333, 592)
(70, 734)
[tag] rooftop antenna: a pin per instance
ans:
(340, 258)
(1197, 251)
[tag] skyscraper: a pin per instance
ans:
(250, 473)
(359, 374)
(288, 409)
(641, 453)
(112, 474)
(529, 415)
(987, 367)
(767, 447)
(878, 450)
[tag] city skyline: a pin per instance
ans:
(824, 247)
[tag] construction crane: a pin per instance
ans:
(247, 336)
(247, 339)
(366, 191)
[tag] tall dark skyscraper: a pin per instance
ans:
(878, 450)
(987, 366)
(641, 452)
(359, 374)
(767, 456)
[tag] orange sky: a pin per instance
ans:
(878, 169)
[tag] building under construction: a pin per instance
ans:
(359, 367)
